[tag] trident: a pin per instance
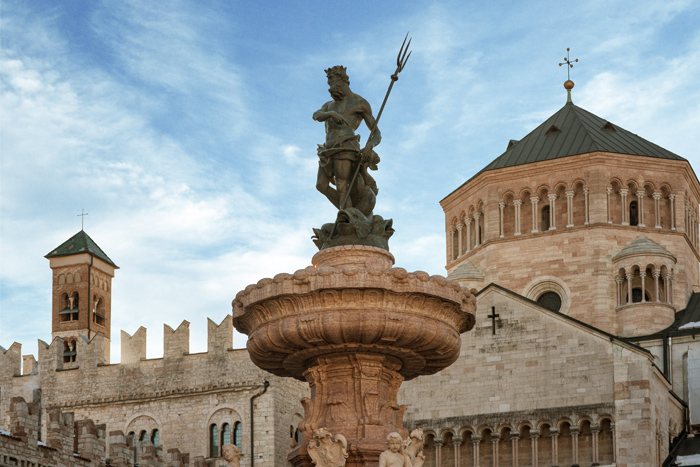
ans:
(401, 60)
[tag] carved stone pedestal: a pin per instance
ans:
(354, 328)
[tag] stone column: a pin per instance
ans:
(552, 212)
(657, 209)
(534, 440)
(585, 197)
(570, 208)
(629, 287)
(477, 239)
(614, 442)
(456, 443)
(595, 430)
(643, 275)
(468, 222)
(672, 199)
(555, 447)
(609, 190)
(514, 445)
(517, 203)
(619, 280)
(533, 202)
(667, 283)
(501, 206)
(574, 442)
(640, 207)
(656, 275)
(495, 439)
(475, 451)
(623, 207)
(451, 244)
(438, 451)
(459, 239)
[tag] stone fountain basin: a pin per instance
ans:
(353, 301)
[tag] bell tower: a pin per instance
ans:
(81, 294)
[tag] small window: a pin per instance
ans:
(225, 435)
(637, 295)
(143, 436)
(634, 213)
(69, 352)
(213, 441)
(545, 218)
(237, 434)
(131, 438)
(155, 437)
(550, 301)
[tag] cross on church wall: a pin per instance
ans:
(493, 317)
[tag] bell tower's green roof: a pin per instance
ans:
(80, 243)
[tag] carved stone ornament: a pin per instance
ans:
(327, 450)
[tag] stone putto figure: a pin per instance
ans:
(395, 455)
(414, 447)
(232, 455)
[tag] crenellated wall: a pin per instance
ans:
(181, 394)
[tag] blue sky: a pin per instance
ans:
(184, 129)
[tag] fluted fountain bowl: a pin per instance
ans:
(353, 301)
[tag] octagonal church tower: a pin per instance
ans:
(585, 218)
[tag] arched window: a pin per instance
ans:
(225, 435)
(155, 437)
(545, 218)
(131, 439)
(550, 300)
(213, 441)
(143, 436)
(70, 307)
(237, 434)
(634, 213)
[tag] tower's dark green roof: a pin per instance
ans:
(572, 131)
(80, 243)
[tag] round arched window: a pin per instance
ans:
(550, 300)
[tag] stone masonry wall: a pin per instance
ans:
(541, 366)
(534, 361)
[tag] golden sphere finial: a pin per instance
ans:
(568, 84)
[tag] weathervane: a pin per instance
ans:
(82, 218)
(568, 84)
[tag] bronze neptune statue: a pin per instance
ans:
(341, 160)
